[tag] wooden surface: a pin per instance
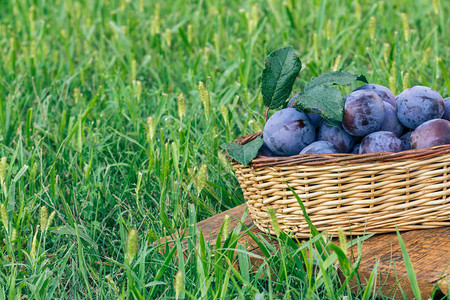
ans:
(428, 249)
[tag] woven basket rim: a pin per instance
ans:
(340, 158)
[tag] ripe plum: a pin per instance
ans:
(447, 109)
(391, 122)
(320, 147)
(381, 141)
(265, 151)
(385, 94)
(363, 113)
(406, 141)
(417, 105)
(431, 133)
(288, 131)
(355, 149)
(336, 135)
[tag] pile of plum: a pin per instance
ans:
(374, 121)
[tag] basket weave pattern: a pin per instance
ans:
(362, 194)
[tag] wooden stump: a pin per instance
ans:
(429, 251)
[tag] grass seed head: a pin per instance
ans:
(337, 63)
(4, 215)
(155, 24)
(224, 111)
(76, 95)
(202, 176)
(329, 29)
(386, 51)
(224, 160)
(133, 70)
(168, 37)
(392, 84)
(435, 6)
(137, 89)
(358, 11)
(406, 81)
(3, 169)
(405, 25)
(151, 128)
(34, 244)
(43, 217)
(139, 182)
(179, 284)
(426, 56)
(206, 54)
(226, 225)
(181, 106)
(372, 26)
(342, 239)
(112, 283)
(275, 225)
(204, 97)
(13, 234)
(132, 244)
(50, 219)
(253, 18)
(190, 33)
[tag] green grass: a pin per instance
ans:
(93, 128)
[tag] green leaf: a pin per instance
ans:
(282, 67)
(324, 100)
(332, 78)
(244, 153)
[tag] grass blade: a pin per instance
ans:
(371, 283)
(409, 268)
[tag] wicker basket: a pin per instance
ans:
(361, 193)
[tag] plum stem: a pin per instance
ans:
(267, 114)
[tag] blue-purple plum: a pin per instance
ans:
(418, 104)
(446, 114)
(406, 141)
(315, 119)
(355, 149)
(288, 131)
(320, 147)
(265, 151)
(391, 122)
(363, 113)
(381, 141)
(336, 135)
(431, 133)
(385, 94)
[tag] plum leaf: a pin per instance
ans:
(335, 78)
(244, 153)
(324, 100)
(281, 68)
